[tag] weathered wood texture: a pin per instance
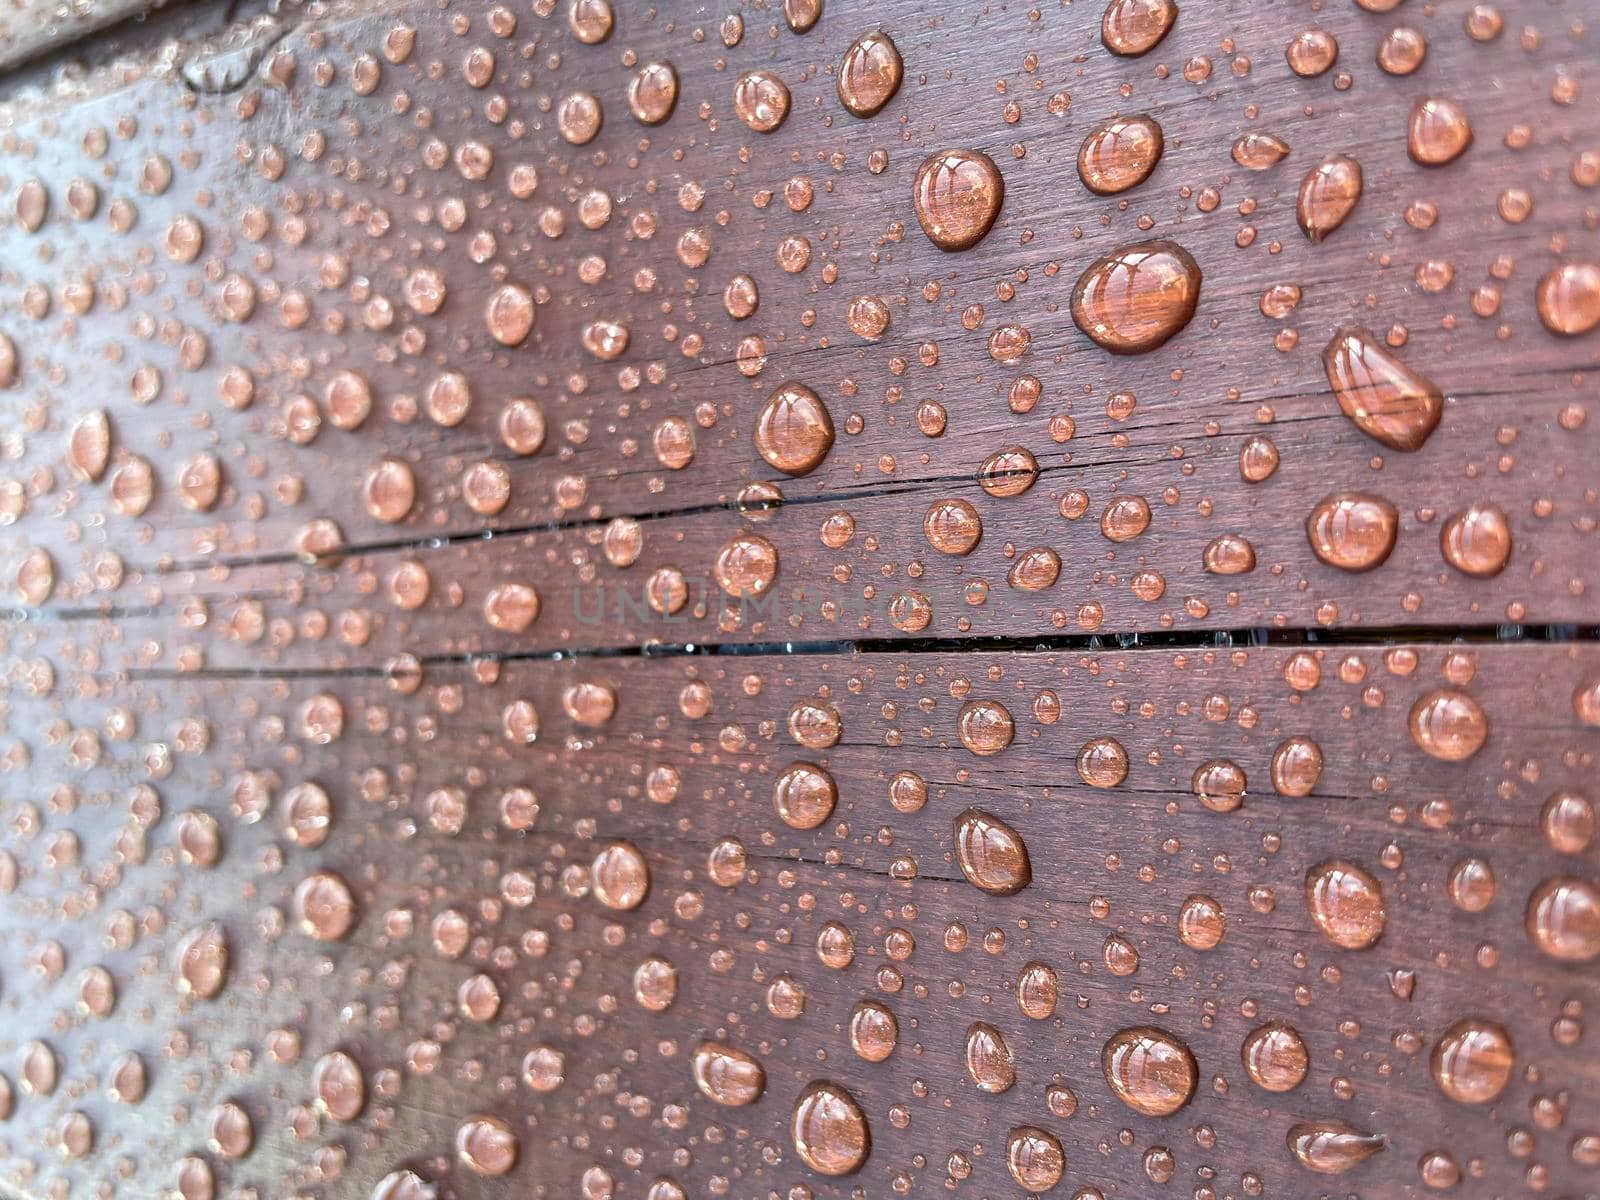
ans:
(255, 250)
(317, 188)
(101, 873)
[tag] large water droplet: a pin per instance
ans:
(1133, 27)
(1563, 918)
(727, 1075)
(1354, 531)
(1387, 400)
(990, 853)
(1150, 1070)
(829, 1129)
(1136, 298)
(1331, 1147)
(1473, 1061)
(988, 1059)
(794, 431)
(1119, 154)
(1568, 298)
(1439, 131)
(804, 795)
(1477, 540)
(869, 74)
(1346, 902)
(1275, 1057)
(957, 196)
(1328, 195)
(1448, 725)
(1035, 1158)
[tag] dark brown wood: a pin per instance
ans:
(1106, 862)
(229, 189)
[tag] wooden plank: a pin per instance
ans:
(687, 759)
(306, 222)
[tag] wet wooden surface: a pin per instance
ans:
(261, 255)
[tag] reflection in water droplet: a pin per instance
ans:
(794, 432)
(761, 100)
(985, 727)
(1568, 298)
(1473, 1061)
(1119, 154)
(1034, 1158)
(1477, 540)
(1448, 725)
(829, 1130)
(1439, 132)
(1311, 52)
(1260, 151)
(1296, 766)
(1563, 918)
(1136, 298)
(1275, 1057)
(1102, 763)
(1328, 195)
(990, 853)
(874, 1032)
(869, 74)
(1331, 1147)
(620, 876)
(957, 195)
(1150, 1070)
(1346, 902)
(1038, 991)
(1133, 27)
(1354, 531)
(988, 1059)
(727, 1075)
(486, 1145)
(804, 796)
(1386, 399)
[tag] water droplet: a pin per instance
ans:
(1134, 27)
(1477, 540)
(794, 431)
(1473, 1061)
(727, 1075)
(1275, 1057)
(1038, 991)
(653, 93)
(1328, 195)
(1311, 52)
(1331, 1147)
(1034, 1158)
(990, 853)
(620, 876)
(1260, 151)
(829, 1129)
(952, 527)
(1201, 923)
(988, 1059)
(1563, 918)
(340, 1087)
(1150, 1070)
(323, 907)
(1136, 298)
(746, 566)
(761, 100)
(1439, 132)
(804, 795)
(1387, 400)
(869, 74)
(1119, 154)
(1229, 554)
(874, 1031)
(1102, 762)
(957, 196)
(985, 727)
(89, 446)
(1568, 298)
(203, 962)
(1354, 531)
(1346, 902)
(1448, 725)
(486, 1145)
